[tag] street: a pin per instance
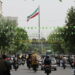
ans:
(24, 71)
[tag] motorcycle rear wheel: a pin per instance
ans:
(47, 73)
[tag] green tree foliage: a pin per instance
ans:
(12, 38)
(7, 30)
(21, 40)
(69, 33)
(56, 41)
(63, 39)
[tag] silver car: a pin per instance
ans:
(53, 63)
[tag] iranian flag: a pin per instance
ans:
(34, 14)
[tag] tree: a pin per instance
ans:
(69, 33)
(7, 33)
(56, 41)
(67, 42)
(21, 40)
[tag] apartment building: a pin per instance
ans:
(0, 7)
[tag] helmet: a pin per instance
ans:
(4, 56)
(47, 56)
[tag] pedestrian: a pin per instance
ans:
(63, 62)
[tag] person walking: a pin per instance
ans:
(63, 62)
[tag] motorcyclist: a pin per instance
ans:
(29, 61)
(47, 62)
(70, 60)
(15, 63)
(74, 64)
(34, 62)
(5, 66)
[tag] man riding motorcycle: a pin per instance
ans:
(47, 65)
(29, 61)
(34, 62)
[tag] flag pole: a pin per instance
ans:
(39, 28)
(39, 22)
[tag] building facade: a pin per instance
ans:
(8, 17)
(12, 18)
(0, 7)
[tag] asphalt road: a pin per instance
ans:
(24, 71)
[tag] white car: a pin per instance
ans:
(53, 64)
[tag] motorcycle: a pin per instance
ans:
(47, 69)
(29, 65)
(15, 66)
(34, 67)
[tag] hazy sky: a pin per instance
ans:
(52, 14)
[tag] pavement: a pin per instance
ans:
(23, 70)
